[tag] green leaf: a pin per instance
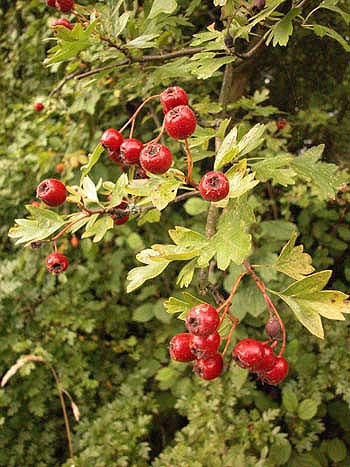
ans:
(150, 216)
(99, 228)
(195, 206)
(93, 159)
(240, 181)
(277, 168)
(251, 140)
(277, 230)
(186, 274)
(165, 192)
(292, 260)
(42, 224)
(307, 409)
(119, 190)
(89, 190)
(144, 41)
(280, 452)
(143, 313)
(175, 305)
(205, 68)
(137, 276)
(308, 285)
(309, 302)
(336, 449)
(289, 400)
(231, 242)
(187, 237)
(283, 29)
(228, 150)
(331, 5)
(175, 252)
(121, 23)
(322, 31)
(162, 6)
(322, 175)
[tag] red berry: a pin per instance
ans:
(269, 358)
(62, 22)
(118, 218)
(172, 97)
(111, 139)
(56, 263)
(156, 158)
(74, 241)
(130, 150)
(60, 167)
(115, 157)
(64, 5)
(180, 122)
(35, 203)
(179, 348)
(52, 192)
(209, 368)
(202, 320)
(214, 186)
(51, 3)
(204, 346)
(249, 353)
(273, 329)
(281, 123)
(38, 106)
(277, 373)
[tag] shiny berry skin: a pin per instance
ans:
(277, 373)
(172, 97)
(269, 358)
(180, 122)
(281, 123)
(38, 106)
(74, 241)
(214, 186)
(249, 354)
(204, 346)
(273, 329)
(52, 192)
(111, 139)
(115, 157)
(60, 168)
(130, 151)
(56, 263)
(156, 158)
(120, 219)
(62, 22)
(64, 5)
(209, 368)
(51, 3)
(179, 348)
(202, 320)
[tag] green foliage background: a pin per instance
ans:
(110, 348)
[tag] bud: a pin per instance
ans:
(36, 244)
(273, 329)
(228, 40)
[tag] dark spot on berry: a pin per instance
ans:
(43, 188)
(215, 182)
(57, 267)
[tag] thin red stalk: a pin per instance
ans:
(268, 301)
(155, 140)
(229, 336)
(137, 111)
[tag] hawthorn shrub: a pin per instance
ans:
(272, 113)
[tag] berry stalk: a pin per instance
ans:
(268, 301)
(138, 110)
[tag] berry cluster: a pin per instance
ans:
(201, 343)
(259, 357)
